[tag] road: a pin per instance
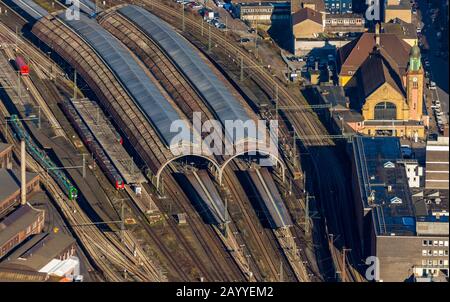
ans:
(438, 65)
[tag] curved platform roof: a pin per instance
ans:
(30, 7)
(217, 96)
(133, 77)
(88, 7)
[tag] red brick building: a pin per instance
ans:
(5, 156)
(10, 188)
(18, 226)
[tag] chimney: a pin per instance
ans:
(23, 174)
(377, 35)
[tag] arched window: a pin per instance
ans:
(385, 111)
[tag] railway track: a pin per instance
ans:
(306, 123)
(153, 152)
(272, 267)
(106, 254)
(163, 68)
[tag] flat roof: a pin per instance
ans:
(432, 205)
(10, 182)
(384, 185)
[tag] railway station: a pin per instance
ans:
(168, 143)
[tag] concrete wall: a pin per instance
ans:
(306, 29)
(304, 46)
(402, 14)
(400, 256)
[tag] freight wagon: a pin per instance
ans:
(91, 142)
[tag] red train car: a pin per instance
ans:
(22, 66)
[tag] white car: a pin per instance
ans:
(432, 85)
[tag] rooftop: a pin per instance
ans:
(17, 221)
(217, 95)
(38, 251)
(375, 71)
(4, 147)
(384, 185)
(334, 95)
(392, 48)
(400, 4)
(431, 203)
(400, 28)
(306, 14)
(10, 182)
(267, 4)
(137, 83)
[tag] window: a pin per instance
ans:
(445, 262)
(424, 262)
(441, 253)
(430, 253)
(435, 252)
(445, 243)
(441, 243)
(430, 242)
(424, 252)
(446, 253)
(424, 243)
(385, 111)
(430, 262)
(435, 243)
(441, 262)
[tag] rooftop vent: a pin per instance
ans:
(389, 164)
(396, 200)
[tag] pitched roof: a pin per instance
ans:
(306, 14)
(4, 147)
(17, 221)
(376, 71)
(38, 251)
(394, 49)
(10, 180)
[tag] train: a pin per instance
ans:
(42, 157)
(22, 66)
(91, 142)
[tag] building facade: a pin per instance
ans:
(407, 233)
(437, 163)
(400, 9)
(10, 188)
(344, 23)
(264, 13)
(5, 156)
(18, 226)
(385, 77)
(339, 6)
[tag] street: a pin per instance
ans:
(438, 65)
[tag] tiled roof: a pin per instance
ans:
(394, 49)
(306, 14)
